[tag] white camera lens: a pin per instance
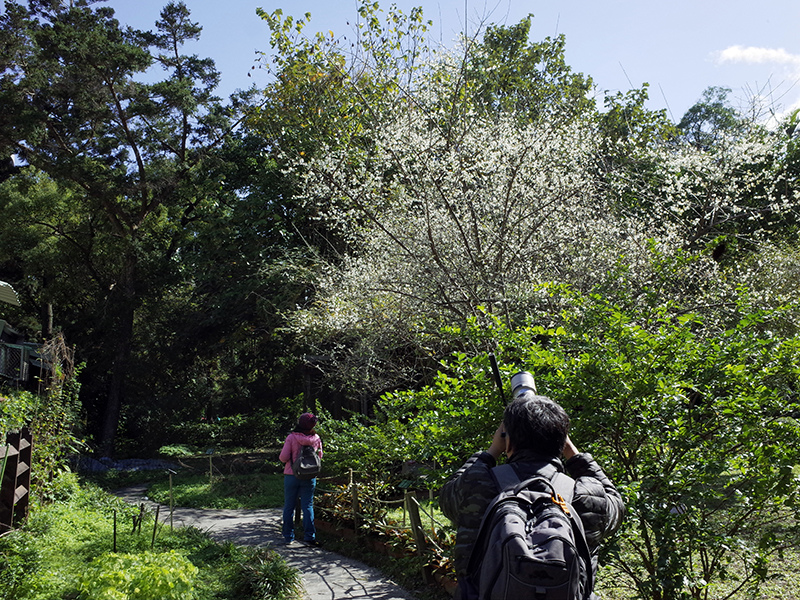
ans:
(522, 382)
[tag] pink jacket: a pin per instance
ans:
(291, 448)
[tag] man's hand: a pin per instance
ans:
(498, 442)
(570, 449)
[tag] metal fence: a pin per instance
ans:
(14, 361)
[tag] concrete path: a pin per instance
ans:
(325, 575)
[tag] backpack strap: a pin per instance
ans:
(564, 485)
(505, 476)
(583, 550)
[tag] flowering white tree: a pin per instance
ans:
(456, 201)
(452, 227)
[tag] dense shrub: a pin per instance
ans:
(142, 576)
(66, 550)
(694, 417)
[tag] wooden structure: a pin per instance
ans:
(15, 465)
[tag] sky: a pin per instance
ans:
(680, 47)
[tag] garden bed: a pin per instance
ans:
(379, 545)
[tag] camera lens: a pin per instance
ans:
(522, 382)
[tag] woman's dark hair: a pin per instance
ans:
(536, 423)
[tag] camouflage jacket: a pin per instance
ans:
(467, 494)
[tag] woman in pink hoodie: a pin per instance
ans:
(294, 488)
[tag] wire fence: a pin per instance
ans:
(13, 362)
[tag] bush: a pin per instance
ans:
(265, 575)
(65, 551)
(143, 576)
(16, 409)
(695, 419)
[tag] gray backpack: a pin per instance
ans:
(308, 463)
(531, 543)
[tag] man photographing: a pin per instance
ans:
(533, 435)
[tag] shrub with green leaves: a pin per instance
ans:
(143, 576)
(48, 557)
(697, 423)
(694, 416)
(15, 410)
(266, 576)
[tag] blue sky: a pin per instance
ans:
(679, 47)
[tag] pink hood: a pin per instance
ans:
(291, 448)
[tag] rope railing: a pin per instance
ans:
(423, 540)
(429, 515)
(412, 508)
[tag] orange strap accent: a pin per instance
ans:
(559, 500)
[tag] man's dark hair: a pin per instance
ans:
(536, 423)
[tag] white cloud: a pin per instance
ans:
(767, 100)
(753, 54)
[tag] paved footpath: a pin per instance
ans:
(325, 575)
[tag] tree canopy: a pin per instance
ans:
(132, 158)
(359, 234)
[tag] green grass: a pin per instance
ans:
(244, 479)
(259, 490)
(427, 510)
(67, 548)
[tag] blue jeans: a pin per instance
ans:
(294, 488)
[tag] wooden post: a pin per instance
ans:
(210, 470)
(171, 503)
(417, 532)
(114, 546)
(430, 509)
(140, 519)
(355, 507)
(155, 526)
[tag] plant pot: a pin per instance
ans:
(334, 529)
(445, 581)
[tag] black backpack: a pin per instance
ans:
(308, 463)
(531, 543)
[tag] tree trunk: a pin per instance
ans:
(47, 321)
(122, 354)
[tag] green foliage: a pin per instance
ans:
(696, 423)
(265, 576)
(55, 425)
(432, 427)
(328, 90)
(143, 576)
(177, 450)
(249, 430)
(16, 409)
(52, 416)
(134, 153)
(65, 551)
(510, 74)
(53, 547)
(625, 119)
(712, 120)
